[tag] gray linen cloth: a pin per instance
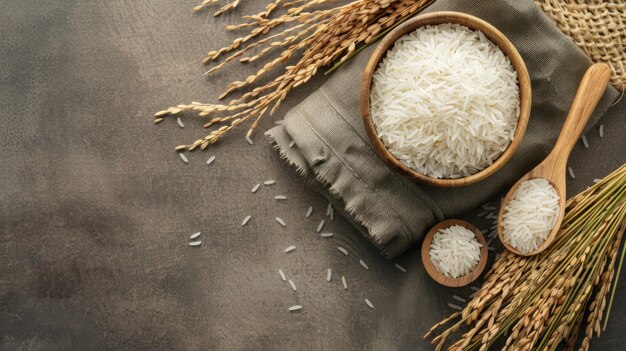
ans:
(333, 154)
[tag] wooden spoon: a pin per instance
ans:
(553, 168)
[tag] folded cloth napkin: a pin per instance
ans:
(332, 152)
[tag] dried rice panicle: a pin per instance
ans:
(545, 301)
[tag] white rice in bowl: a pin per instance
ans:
(445, 101)
(455, 251)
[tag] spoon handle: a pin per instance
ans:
(588, 95)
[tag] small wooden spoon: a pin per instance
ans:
(553, 168)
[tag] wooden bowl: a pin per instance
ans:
(497, 38)
(440, 277)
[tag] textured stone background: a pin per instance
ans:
(96, 208)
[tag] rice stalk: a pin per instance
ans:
(542, 302)
(312, 34)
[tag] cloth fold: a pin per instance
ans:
(332, 152)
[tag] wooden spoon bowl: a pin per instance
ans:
(440, 277)
(492, 34)
(554, 167)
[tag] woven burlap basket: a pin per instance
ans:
(597, 27)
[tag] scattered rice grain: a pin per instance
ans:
(456, 307)
(290, 248)
(249, 140)
(194, 235)
(293, 285)
(585, 142)
(400, 268)
(195, 243)
(326, 235)
(363, 264)
(369, 303)
(570, 170)
(343, 251)
(280, 220)
(282, 275)
(245, 220)
(601, 131)
(320, 226)
(183, 157)
(458, 298)
(255, 188)
(328, 208)
(295, 308)
(210, 160)
(180, 122)
(280, 197)
(269, 182)
(308, 212)
(329, 275)
(343, 281)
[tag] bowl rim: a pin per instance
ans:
(440, 277)
(495, 36)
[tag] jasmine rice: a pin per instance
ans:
(530, 214)
(445, 101)
(455, 251)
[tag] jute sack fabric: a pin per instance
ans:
(598, 27)
(333, 154)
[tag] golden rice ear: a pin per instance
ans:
(315, 35)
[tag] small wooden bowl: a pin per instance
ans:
(440, 277)
(492, 34)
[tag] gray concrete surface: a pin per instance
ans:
(96, 208)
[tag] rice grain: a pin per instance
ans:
(343, 281)
(195, 235)
(343, 251)
(362, 263)
(295, 308)
(183, 157)
(282, 275)
(455, 307)
(180, 122)
(369, 303)
(280, 220)
(210, 160)
(290, 248)
(255, 188)
(245, 220)
(570, 170)
(329, 275)
(400, 268)
(585, 142)
(293, 285)
(320, 226)
(195, 243)
(308, 212)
